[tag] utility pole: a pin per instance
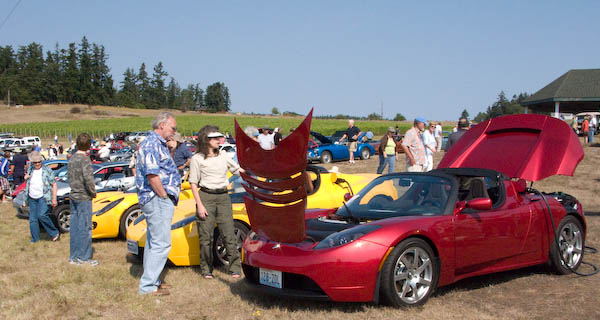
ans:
(381, 109)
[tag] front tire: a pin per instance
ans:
(128, 218)
(240, 231)
(410, 274)
(326, 157)
(365, 153)
(62, 217)
(571, 246)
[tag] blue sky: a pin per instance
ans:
(430, 59)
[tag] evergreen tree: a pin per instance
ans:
(128, 96)
(188, 101)
(143, 85)
(464, 114)
(217, 98)
(157, 88)
(70, 74)
(173, 95)
(86, 87)
(53, 78)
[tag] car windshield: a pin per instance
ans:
(400, 195)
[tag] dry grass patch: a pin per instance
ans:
(37, 281)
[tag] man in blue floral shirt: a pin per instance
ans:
(158, 183)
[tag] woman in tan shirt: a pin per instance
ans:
(208, 180)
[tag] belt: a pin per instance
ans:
(213, 191)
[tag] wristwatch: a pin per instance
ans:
(166, 196)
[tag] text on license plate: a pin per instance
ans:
(271, 278)
(132, 246)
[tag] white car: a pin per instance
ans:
(229, 148)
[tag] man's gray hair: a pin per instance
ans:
(160, 119)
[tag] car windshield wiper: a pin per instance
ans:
(351, 217)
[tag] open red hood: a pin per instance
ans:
(526, 146)
(278, 216)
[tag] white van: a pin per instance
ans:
(582, 115)
(32, 141)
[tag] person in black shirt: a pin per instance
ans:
(19, 162)
(463, 126)
(277, 136)
(352, 133)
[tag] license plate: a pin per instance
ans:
(271, 278)
(132, 246)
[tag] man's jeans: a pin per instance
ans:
(386, 160)
(591, 134)
(81, 230)
(38, 213)
(159, 213)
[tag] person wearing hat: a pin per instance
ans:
(265, 139)
(208, 180)
(413, 146)
(277, 136)
(40, 195)
(182, 155)
(19, 164)
(462, 127)
(387, 152)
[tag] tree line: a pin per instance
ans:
(80, 74)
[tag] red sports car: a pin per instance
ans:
(405, 234)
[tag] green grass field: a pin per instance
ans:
(187, 124)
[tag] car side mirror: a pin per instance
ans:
(480, 204)
(347, 196)
(333, 177)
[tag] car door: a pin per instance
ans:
(487, 239)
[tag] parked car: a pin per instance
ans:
(326, 151)
(330, 190)
(108, 176)
(406, 234)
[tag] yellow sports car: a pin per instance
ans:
(330, 189)
(113, 212)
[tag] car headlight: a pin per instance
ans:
(344, 237)
(108, 207)
(184, 222)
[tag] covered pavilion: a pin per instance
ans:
(576, 91)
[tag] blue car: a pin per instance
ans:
(325, 151)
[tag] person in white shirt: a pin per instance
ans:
(265, 139)
(593, 128)
(104, 152)
(437, 133)
(430, 146)
(208, 181)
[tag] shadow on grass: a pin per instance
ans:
(253, 295)
(592, 213)
(483, 281)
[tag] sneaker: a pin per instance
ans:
(90, 262)
(235, 275)
(74, 262)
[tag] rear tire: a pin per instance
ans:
(62, 217)
(128, 218)
(219, 251)
(410, 274)
(571, 240)
(326, 157)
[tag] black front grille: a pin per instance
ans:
(291, 281)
